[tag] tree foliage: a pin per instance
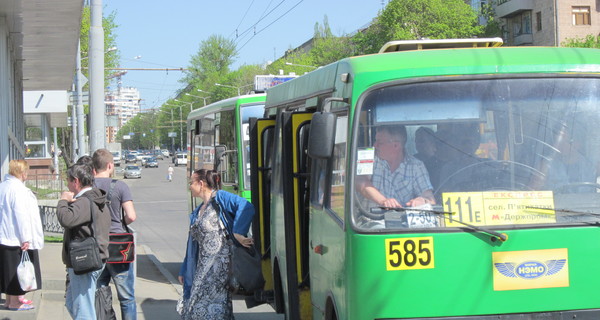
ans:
(111, 58)
(416, 19)
(590, 41)
(213, 60)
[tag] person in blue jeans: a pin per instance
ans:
(74, 211)
(121, 200)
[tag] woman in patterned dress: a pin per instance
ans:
(207, 265)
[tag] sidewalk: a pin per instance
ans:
(156, 296)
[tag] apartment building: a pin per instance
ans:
(122, 104)
(547, 22)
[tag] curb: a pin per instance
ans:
(174, 282)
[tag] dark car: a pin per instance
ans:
(151, 163)
(130, 158)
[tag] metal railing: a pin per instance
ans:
(50, 220)
(48, 186)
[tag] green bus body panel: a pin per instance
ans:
(461, 282)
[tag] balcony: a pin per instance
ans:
(509, 8)
(524, 39)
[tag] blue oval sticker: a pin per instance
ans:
(530, 270)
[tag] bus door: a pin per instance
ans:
(261, 139)
(295, 176)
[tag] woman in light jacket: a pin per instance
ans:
(20, 230)
(206, 268)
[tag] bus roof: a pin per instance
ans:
(227, 103)
(366, 71)
(427, 44)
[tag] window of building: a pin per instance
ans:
(581, 16)
(538, 20)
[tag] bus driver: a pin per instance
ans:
(398, 179)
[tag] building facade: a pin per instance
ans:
(121, 105)
(38, 46)
(547, 22)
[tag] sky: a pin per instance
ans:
(166, 34)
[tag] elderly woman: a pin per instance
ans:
(20, 230)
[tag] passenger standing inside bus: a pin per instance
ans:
(398, 179)
(207, 264)
(426, 145)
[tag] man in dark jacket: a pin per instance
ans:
(74, 211)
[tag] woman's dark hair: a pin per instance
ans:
(83, 172)
(211, 177)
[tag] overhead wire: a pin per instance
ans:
(261, 30)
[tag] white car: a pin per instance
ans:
(180, 158)
(165, 153)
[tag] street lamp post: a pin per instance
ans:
(238, 88)
(190, 103)
(199, 97)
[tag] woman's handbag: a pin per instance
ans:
(246, 263)
(84, 254)
(247, 274)
(26, 273)
(121, 247)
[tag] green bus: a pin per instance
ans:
(219, 140)
(499, 221)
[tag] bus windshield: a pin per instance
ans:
(511, 153)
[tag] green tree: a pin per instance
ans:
(416, 19)
(111, 58)
(328, 48)
(590, 41)
(213, 60)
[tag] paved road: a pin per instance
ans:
(162, 224)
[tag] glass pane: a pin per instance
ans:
(535, 144)
(247, 112)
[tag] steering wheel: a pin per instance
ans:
(566, 187)
(366, 212)
(490, 175)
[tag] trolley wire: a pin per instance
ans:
(261, 30)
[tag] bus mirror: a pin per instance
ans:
(322, 135)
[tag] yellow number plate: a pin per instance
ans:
(409, 253)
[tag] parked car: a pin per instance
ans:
(151, 163)
(132, 172)
(130, 158)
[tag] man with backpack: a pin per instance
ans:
(122, 213)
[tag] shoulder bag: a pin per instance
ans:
(121, 246)
(246, 264)
(84, 254)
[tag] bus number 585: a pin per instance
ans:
(409, 253)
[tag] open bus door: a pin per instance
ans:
(292, 252)
(261, 138)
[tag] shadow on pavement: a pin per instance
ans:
(159, 309)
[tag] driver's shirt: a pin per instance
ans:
(407, 182)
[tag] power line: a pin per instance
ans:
(260, 19)
(261, 30)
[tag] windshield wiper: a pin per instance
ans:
(495, 235)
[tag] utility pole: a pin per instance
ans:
(80, 81)
(96, 54)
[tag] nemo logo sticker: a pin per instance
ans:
(530, 269)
